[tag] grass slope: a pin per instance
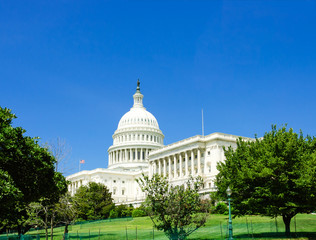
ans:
(302, 227)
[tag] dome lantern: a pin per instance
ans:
(138, 97)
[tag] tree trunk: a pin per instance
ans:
(46, 232)
(287, 221)
(65, 231)
(19, 231)
(52, 227)
(46, 226)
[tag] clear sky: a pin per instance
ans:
(68, 69)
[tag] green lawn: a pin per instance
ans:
(303, 227)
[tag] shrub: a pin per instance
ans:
(138, 213)
(221, 208)
(113, 213)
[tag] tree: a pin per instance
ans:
(27, 169)
(60, 150)
(176, 210)
(66, 213)
(41, 214)
(273, 176)
(93, 201)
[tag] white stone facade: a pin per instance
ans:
(138, 148)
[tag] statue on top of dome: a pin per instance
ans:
(138, 83)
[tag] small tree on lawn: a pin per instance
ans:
(66, 212)
(41, 214)
(176, 210)
(93, 201)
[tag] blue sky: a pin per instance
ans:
(68, 69)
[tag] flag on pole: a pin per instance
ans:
(80, 162)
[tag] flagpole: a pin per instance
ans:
(202, 124)
(79, 165)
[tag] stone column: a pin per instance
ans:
(159, 166)
(164, 167)
(199, 161)
(141, 155)
(192, 163)
(125, 155)
(150, 170)
(180, 167)
(156, 166)
(116, 156)
(175, 166)
(169, 161)
(186, 163)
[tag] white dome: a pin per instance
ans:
(138, 117)
(136, 135)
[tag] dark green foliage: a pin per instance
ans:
(272, 176)
(123, 211)
(93, 201)
(220, 208)
(113, 213)
(138, 213)
(26, 172)
(176, 210)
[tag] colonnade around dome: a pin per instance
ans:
(129, 155)
(127, 138)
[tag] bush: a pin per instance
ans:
(113, 213)
(221, 208)
(138, 213)
(122, 210)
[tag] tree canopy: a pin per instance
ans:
(93, 201)
(273, 176)
(26, 169)
(177, 210)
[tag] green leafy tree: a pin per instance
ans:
(176, 210)
(93, 201)
(66, 212)
(27, 169)
(273, 176)
(41, 214)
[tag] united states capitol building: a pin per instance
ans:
(138, 149)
